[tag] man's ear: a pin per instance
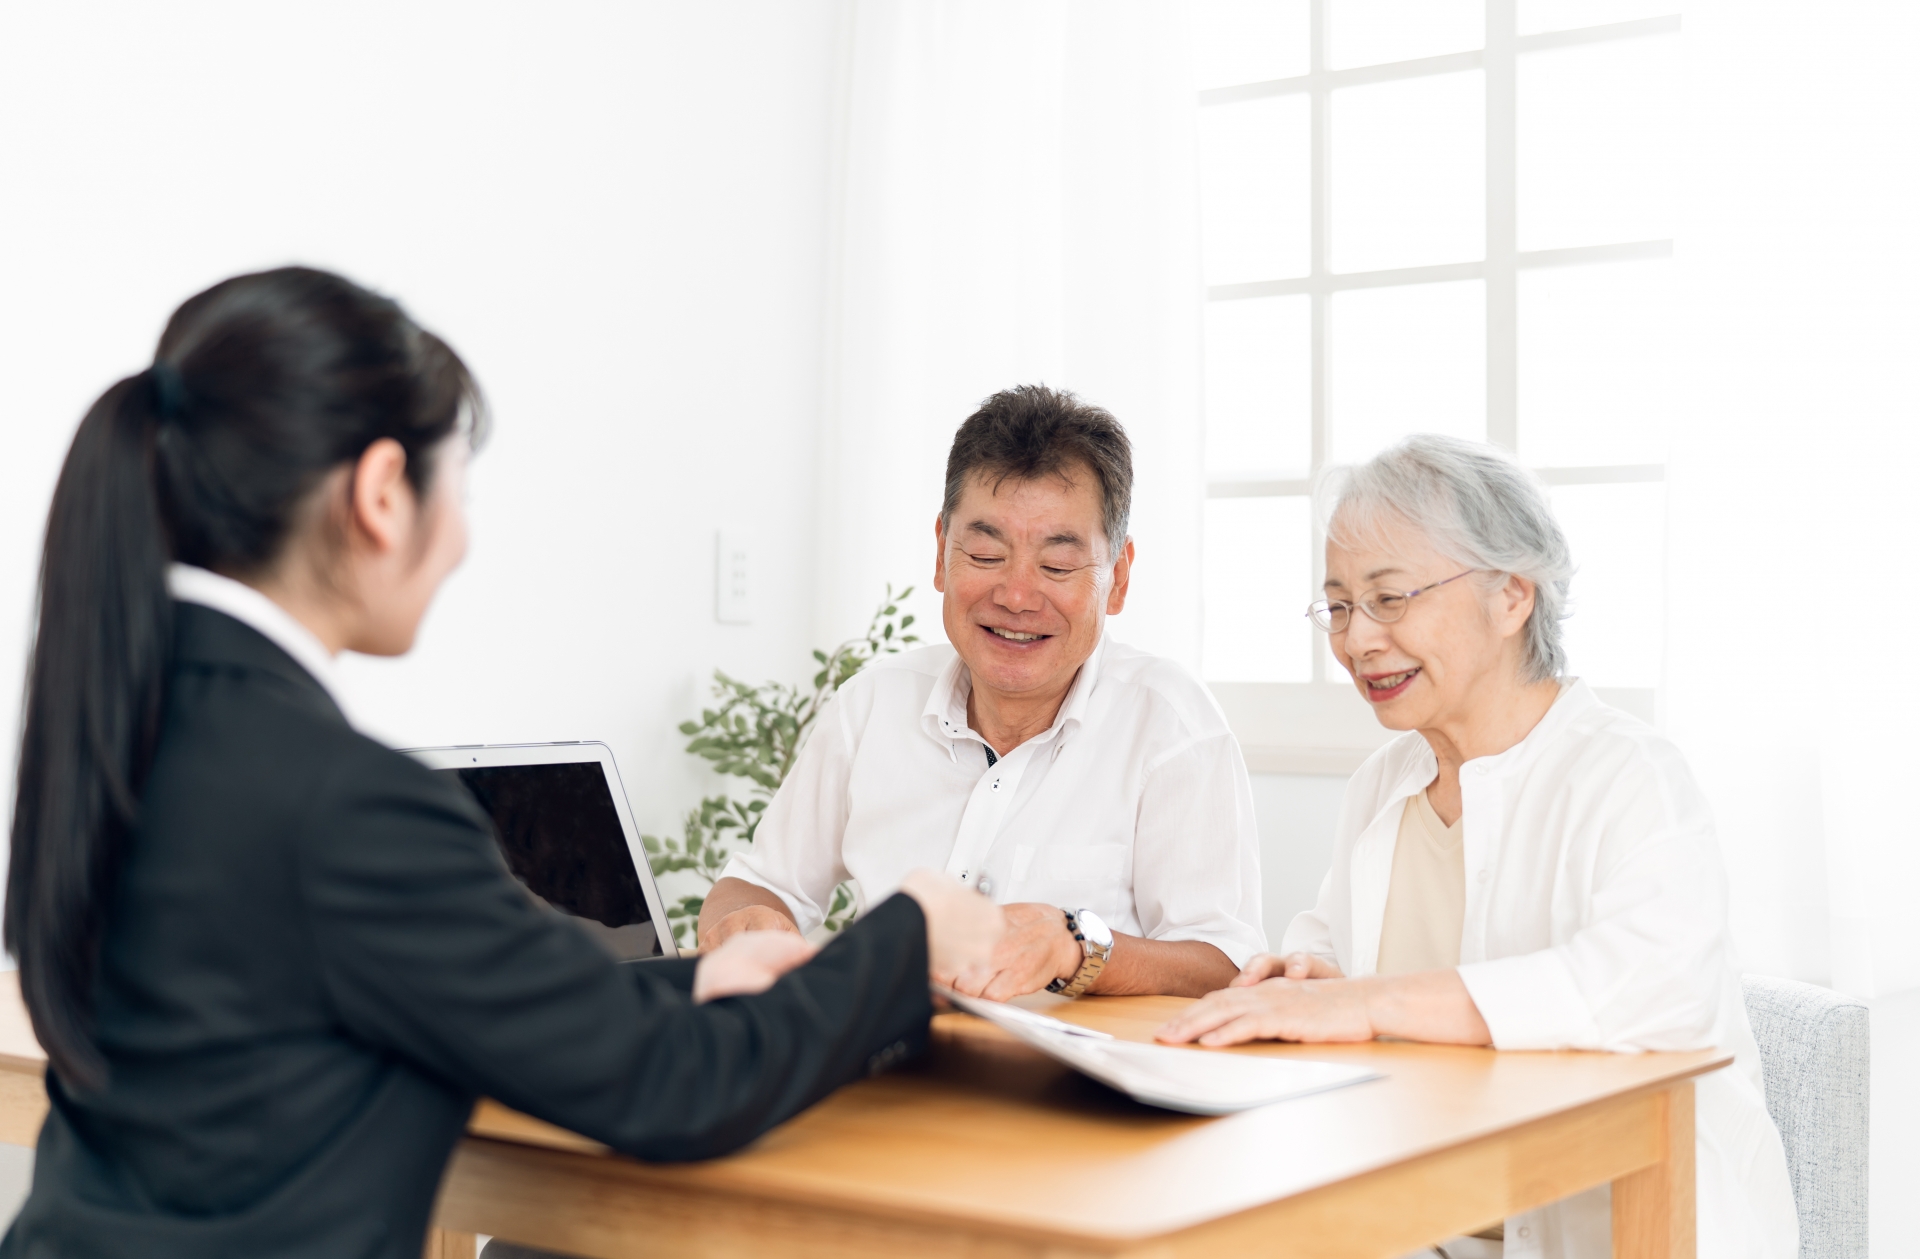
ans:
(381, 502)
(1122, 574)
(940, 555)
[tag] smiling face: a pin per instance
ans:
(1029, 581)
(1427, 669)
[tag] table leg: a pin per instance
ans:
(1653, 1208)
(442, 1244)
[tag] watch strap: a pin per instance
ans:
(1095, 962)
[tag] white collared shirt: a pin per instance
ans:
(1135, 803)
(1596, 918)
(251, 608)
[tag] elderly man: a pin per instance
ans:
(1092, 789)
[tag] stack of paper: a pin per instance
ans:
(1192, 1080)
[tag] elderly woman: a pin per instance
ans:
(1524, 868)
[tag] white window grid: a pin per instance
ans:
(1498, 60)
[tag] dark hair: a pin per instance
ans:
(1030, 431)
(260, 387)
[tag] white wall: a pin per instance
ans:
(615, 211)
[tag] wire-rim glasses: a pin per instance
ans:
(1382, 606)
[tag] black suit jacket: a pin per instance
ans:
(316, 960)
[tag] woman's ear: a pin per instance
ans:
(382, 506)
(1514, 604)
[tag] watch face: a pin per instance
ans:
(1096, 931)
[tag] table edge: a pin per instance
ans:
(685, 1176)
(606, 1161)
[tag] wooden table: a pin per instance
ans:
(987, 1149)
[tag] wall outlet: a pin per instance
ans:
(733, 578)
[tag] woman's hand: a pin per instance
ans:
(1432, 1006)
(747, 963)
(1275, 1009)
(1264, 966)
(963, 927)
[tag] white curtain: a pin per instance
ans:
(1015, 202)
(1794, 554)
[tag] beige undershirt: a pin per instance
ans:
(1426, 902)
(1427, 898)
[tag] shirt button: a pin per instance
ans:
(1525, 1232)
(1484, 876)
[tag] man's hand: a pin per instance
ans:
(1264, 966)
(749, 962)
(1275, 1009)
(1036, 950)
(751, 918)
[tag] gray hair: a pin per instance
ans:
(1477, 505)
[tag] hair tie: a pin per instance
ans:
(169, 391)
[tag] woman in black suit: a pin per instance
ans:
(272, 962)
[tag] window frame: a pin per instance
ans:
(1262, 713)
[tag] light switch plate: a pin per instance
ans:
(733, 578)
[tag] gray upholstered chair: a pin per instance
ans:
(1814, 1053)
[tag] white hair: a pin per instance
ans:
(1477, 505)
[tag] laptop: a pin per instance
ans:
(561, 819)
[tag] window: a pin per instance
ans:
(1434, 216)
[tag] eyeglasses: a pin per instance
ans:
(1383, 606)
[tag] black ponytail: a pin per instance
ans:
(261, 386)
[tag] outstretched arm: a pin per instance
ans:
(426, 948)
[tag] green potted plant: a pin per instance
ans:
(755, 733)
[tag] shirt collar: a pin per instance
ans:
(1575, 697)
(251, 608)
(945, 716)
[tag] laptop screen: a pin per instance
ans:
(562, 839)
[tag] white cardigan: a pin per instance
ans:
(1596, 918)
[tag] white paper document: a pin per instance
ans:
(1193, 1080)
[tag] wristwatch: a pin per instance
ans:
(1096, 942)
